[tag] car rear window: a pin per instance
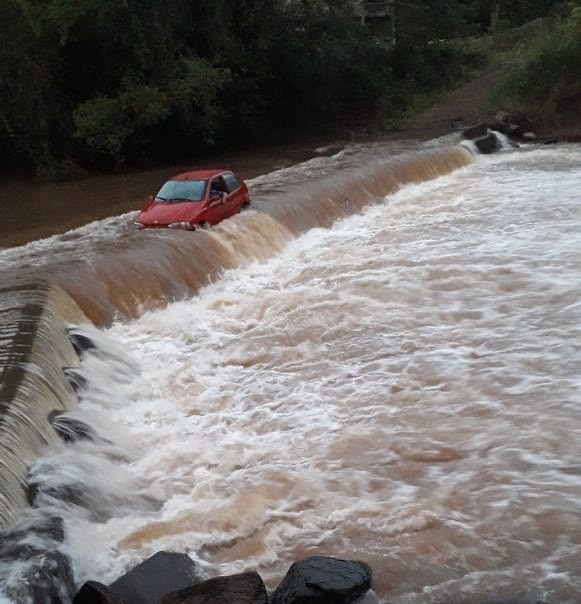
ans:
(181, 190)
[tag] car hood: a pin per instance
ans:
(162, 214)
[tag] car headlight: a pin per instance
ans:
(181, 225)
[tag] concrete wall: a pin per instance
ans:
(34, 348)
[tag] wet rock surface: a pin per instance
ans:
(93, 592)
(174, 578)
(244, 588)
(163, 573)
(70, 429)
(323, 579)
(40, 573)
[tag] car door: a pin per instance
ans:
(236, 193)
(218, 200)
(229, 198)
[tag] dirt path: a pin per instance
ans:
(463, 106)
(471, 103)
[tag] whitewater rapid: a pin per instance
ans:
(401, 388)
(397, 382)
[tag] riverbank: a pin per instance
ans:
(471, 103)
(35, 210)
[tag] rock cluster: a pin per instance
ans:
(173, 578)
(485, 135)
(41, 573)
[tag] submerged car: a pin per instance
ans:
(195, 199)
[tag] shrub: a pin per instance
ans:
(106, 124)
(544, 72)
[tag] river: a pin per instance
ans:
(379, 361)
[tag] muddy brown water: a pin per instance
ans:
(379, 361)
(34, 210)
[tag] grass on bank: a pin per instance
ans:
(539, 65)
(541, 72)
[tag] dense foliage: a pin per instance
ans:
(95, 83)
(542, 76)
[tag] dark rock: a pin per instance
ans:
(93, 592)
(512, 125)
(475, 131)
(70, 429)
(17, 551)
(501, 122)
(520, 600)
(47, 484)
(49, 528)
(46, 579)
(75, 379)
(39, 573)
(77, 494)
(323, 580)
(245, 588)
(52, 527)
(488, 144)
(163, 573)
(80, 342)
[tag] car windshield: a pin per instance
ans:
(181, 190)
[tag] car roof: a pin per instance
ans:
(198, 174)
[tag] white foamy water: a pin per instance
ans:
(402, 388)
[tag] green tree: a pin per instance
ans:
(29, 95)
(106, 124)
(542, 77)
(94, 81)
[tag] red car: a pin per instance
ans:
(195, 199)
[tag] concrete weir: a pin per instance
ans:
(34, 348)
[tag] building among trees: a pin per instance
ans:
(378, 15)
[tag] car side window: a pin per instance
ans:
(218, 187)
(231, 181)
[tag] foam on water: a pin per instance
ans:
(401, 388)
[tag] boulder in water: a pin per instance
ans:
(71, 430)
(488, 144)
(45, 528)
(325, 580)
(39, 492)
(93, 592)
(80, 342)
(163, 573)
(46, 578)
(244, 588)
(512, 125)
(77, 381)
